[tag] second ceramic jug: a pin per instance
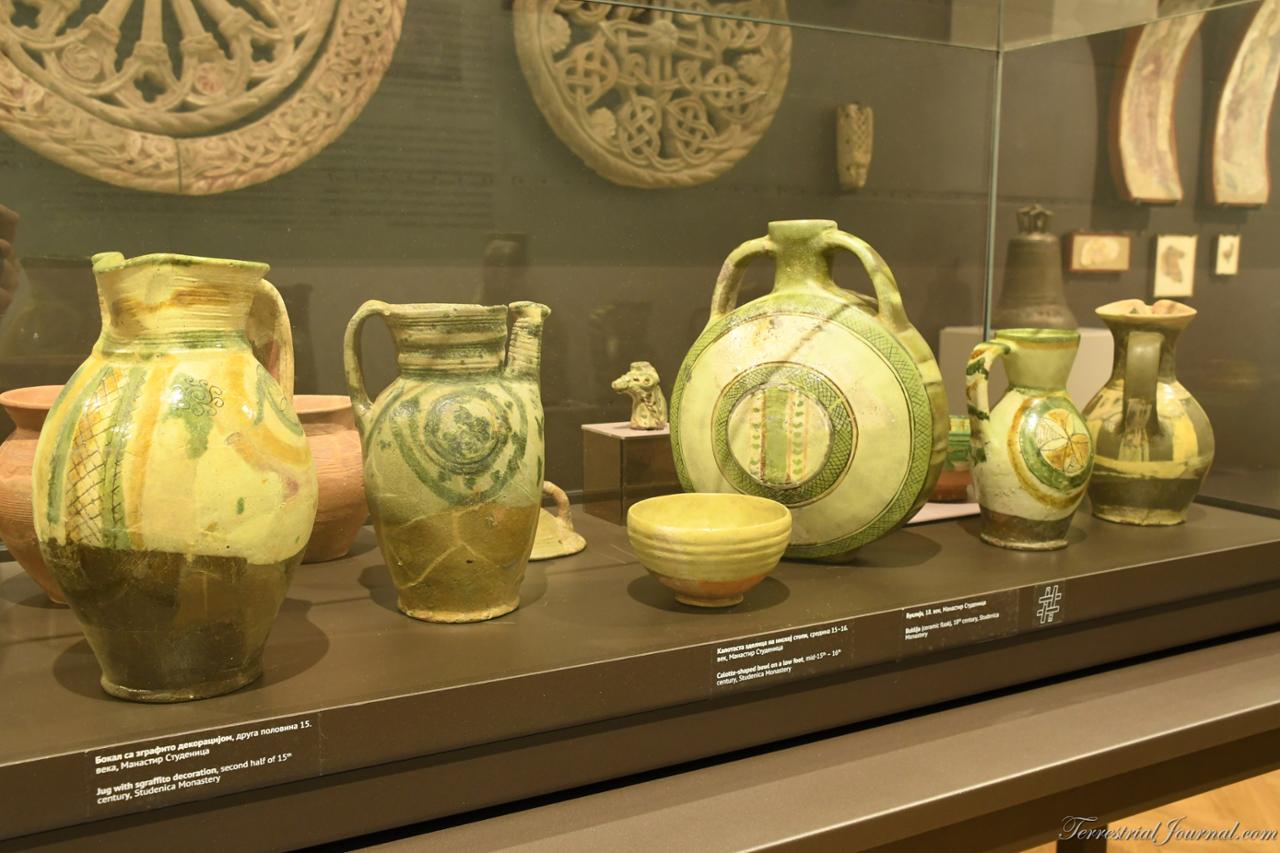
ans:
(814, 396)
(173, 487)
(453, 453)
(1155, 443)
(1032, 455)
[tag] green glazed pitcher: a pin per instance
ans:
(1155, 443)
(1031, 454)
(173, 488)
(453, 453)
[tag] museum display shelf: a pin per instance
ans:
(1178, 724)
(366, 720)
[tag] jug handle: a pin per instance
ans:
(353, 362)
(888, 297)
(976, 374)
(272, 339)
(725, 297)
(1141, 368)
(564, 512)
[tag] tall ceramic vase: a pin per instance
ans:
(1155, 443)
(1032, 455)
(453, 453)
(813, 396)
(27, 407)
(173, 488)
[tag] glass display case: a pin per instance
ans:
(622, 164)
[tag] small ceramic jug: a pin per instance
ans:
(1031, 454)
(453, 453)
(1153, 440)
(173, 487)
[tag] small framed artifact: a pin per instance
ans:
(1092, 251)
(1175, 265)
(1227, 257)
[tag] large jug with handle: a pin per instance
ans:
(1031, 452)
(453, 453)
(173, 488)
(1154, 441)
(814, 396)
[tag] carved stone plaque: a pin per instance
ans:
(189, 96)
(654, 98)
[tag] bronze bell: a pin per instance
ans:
(1032, 296)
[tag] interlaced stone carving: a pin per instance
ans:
(653, 98)
(189, 96)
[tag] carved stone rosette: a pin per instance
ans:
(653, 98)
(191, 97)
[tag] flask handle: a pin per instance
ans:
(888, 297)
(976, 375)
(353, 361)
(725, 297)
(271, 336)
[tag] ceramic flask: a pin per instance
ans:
(813, 396)
(1031, 454)
(1154, 442)
(173, 487)
(453, 453)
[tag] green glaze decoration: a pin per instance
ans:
(1154, 441)
(1032, 455)
(453, 453)
(169, 510)
(818, 398)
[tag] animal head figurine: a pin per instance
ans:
(648, 405)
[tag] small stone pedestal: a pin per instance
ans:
(621, 466)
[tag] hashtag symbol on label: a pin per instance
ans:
(1049, 606)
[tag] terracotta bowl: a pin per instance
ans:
(341, 509)
(709, 548)
(28, 408)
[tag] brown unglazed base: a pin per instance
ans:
(186, 694)
(1141, 516)
(169, 627)
(709, 594)
(462, 564)
(1024, 534)
(1142, 501)
(709, 602)
(427, 614)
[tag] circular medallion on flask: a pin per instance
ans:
(783, 431)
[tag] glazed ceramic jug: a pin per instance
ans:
(173, 487)
(27, 407)
(1154, 442)
(1031, 454)
(813, 396)
(453, 453)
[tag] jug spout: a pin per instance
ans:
(524, 353)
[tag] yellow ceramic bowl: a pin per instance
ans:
(709, 548)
